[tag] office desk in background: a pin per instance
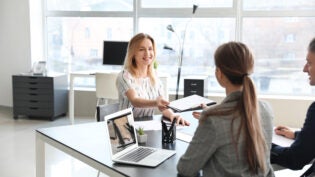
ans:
(91, 74)
(86, 142)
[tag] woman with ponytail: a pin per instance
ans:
(234, 137)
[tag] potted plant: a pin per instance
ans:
(141, 136)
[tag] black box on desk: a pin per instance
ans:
(195, 85)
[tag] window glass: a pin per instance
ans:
(279, 4)
(90, 5)
(279, 46)
(203, 35)
(185, 3)
(76, 44)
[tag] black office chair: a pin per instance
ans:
(103, 110)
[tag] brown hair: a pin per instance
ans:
(130, 62)
(311, 46)
(236, 62)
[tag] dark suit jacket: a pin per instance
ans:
(302, 151)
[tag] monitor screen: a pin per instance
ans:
(114, 52)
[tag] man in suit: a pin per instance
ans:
(302, 151)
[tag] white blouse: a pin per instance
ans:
(144, 88)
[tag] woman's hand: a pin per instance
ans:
(161, 103)
(196, 114)
(179, 120)
(285, 131)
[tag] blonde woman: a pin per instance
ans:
(138, 84)
(233, 138)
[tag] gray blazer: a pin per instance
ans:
(212, 151)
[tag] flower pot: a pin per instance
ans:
(142, 138)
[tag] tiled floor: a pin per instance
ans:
(17, 149)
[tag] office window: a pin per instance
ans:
(69, 48)
(201, 39)
(90, 5)
(279, 5)
(185, 3)
(278, 61)
(278, 33)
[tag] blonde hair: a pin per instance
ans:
(130, 62)
(236, 62)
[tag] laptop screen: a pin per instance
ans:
(121, 133)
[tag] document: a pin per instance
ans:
(281, 140)
(190, 103)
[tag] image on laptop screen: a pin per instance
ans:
(121, 133)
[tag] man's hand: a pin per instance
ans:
(285, 131)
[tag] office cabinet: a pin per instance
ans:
(195, 85)
(44, 97)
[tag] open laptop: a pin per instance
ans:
(121, 137)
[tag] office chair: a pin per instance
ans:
(102, 111)
(105, 84)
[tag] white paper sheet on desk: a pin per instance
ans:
(281, 140)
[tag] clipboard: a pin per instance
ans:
(190, 103)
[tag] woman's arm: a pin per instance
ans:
(140, 102)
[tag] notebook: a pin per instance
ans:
(123, 143)
(189, 103)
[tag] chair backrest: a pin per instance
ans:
(103, 110)
(105, 84)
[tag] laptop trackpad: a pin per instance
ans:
(157, 157)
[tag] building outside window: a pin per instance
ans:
(277, 32)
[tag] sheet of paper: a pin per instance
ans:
(281, 140)
(276, 139)
(183, 136)
(292, 173)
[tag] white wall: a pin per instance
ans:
(14, 44)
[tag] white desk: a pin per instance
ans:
(90, 74)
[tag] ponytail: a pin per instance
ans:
(254, 137)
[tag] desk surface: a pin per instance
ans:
(89, 140)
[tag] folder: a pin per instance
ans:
(190, 103)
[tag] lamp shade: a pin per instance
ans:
(170, 28)
(194, 8)
(167, 47)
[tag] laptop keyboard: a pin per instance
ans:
(138, 154)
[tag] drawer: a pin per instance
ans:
(32, 79)
(39, 91)
(33, 111)
(32, 82)
(193, 84)
(33, 104)
(33, 96)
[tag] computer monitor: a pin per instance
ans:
(114, 52)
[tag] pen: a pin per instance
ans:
(164, 126)
(171, 128)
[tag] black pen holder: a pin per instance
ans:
(168, 132)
